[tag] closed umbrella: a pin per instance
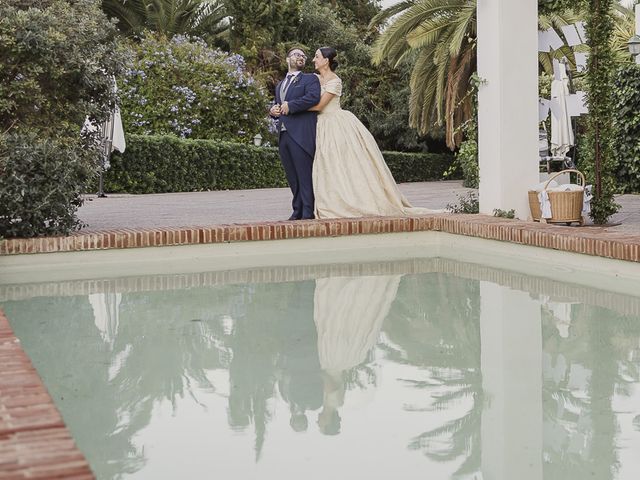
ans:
(562, 138)
(111, 138)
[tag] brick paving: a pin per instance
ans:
(171, 210)
(213, 217)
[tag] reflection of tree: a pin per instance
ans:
(165, 343)
(588, 368)
(73, 361)
(252, 371)
(440, 331)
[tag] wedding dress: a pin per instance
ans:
(349, 313)
(350, 176)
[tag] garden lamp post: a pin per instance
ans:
(634, 42)
(257, 140)
(634, 47)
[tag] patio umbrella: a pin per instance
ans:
(562, 138)
(113, 135)
(111, 138)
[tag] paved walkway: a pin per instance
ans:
(271, 204)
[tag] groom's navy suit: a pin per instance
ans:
(298, 138)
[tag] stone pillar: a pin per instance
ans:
(508, 103)
(511, 362)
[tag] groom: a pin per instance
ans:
(295, 95)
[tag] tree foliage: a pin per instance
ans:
(379, 95)
(599, 162)
(259, 27)
(437, 38)
(57, 61)
(168, 16)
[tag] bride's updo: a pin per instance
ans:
(330, 54)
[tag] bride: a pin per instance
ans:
(350, 176)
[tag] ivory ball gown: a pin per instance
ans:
(350, 176)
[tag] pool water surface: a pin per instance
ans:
(426, 368)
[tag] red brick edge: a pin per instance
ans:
(34, 442)
(587, 240)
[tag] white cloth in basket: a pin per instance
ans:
(567, 187)
(540, 186)
(545, 204)
(586, 202)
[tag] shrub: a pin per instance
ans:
(498, 212)
(469, 203)
(42, 183)
(627, 128)
(157, 164)
(185, 88)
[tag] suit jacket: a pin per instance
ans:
(302, 94)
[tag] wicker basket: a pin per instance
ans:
(566, 207)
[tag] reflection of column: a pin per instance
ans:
(508, 103)
(511, 359)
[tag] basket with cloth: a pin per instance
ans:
(553, 203)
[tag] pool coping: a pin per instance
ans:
(592, 240)
(34, 441)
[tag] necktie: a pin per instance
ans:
(285, 86)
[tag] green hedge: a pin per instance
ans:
(627, 127)
(160, 164)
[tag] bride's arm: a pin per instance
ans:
(324, 101)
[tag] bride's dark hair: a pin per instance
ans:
(330, 54)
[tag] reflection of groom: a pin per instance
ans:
(300, 383)
(295, 95)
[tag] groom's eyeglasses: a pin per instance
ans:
(299, 55)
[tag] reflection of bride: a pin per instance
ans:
(348, 312)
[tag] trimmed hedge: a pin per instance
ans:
(627, 127)
(160, 164)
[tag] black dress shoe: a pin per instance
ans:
(293, 217)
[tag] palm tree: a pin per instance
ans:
(438, 37)
(623, 29)
(168, 16)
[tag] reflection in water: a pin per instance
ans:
(334, 370)
(348, 313)
(590, 394)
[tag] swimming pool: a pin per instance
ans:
(425, 366)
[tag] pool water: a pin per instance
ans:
(426, 368)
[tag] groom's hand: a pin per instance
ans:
(284, 109)
(275, 111)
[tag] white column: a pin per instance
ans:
(638, 28)
(508, 103)
(511, 361)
